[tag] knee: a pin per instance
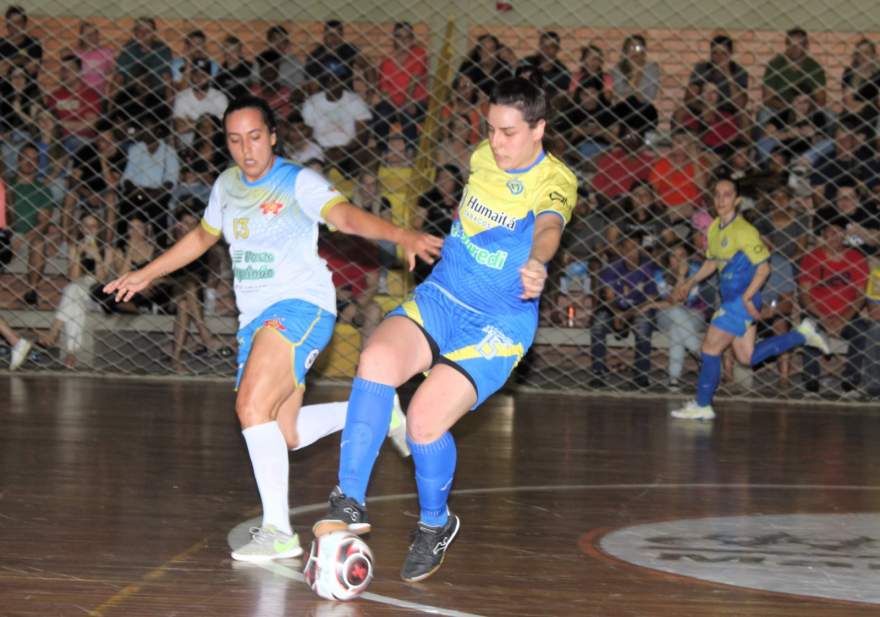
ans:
(421, 427)
(378, 363)
(251, 409)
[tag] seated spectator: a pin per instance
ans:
(639, 214)
(466, 99)
(792, 72)
(778, 306)
(18, 48)
(188, 290)
(20, 346)
(198, 100)
(454, 148)
(832, 285)
(626, 289)
(802, 129)
(32, 208)
(367, 195)
(861, 86)
(685, 323)
(783, 225)
(553, 73)
(136, 249)
(76, 105)
(296, 140)
(438, 207)
(616, 169)
(484, 66)
(102, 161)
(89, 196)
(20, 101)
(96, 60)
(403, 80)
(151, 172)
(288, 68)
(396, 167)
(338, 118)
(193, 51)
(88, 263)
(236, 73)
(195, 184)
(731, 79)
(636, 82)
(270, 88)
(364, 83)
(332, 51)
(586, 120)
(679, 178)
(861, 218)
(143, 70)
(592, 73)
(709, 120)
(848, 162)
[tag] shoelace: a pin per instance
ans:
(261, 535)
(422, 541)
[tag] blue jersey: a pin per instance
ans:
(492, 238)
(738, 250)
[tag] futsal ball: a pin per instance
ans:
(340, 566)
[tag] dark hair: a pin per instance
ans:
(625, 65)
(29, 146)
(524, 96)
(295, 117)
(252, 102)
(401, 25)
(147, 20)
(15, 9)
(828, 216)
(474, 54)
(552, 35)
(275, 31)
(72, 58)
(722, 40)
(796, 31)
(332, 24)
(725, 177)
(586, 50)
(196, 34)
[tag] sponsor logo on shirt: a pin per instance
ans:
(274, 323)
(490, 259)
(485, 216)
(272, 208)
(557, 196)
(515, 186)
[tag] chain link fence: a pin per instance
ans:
(111, 139)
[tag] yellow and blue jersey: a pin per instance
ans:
(738, 250)
(492, 238)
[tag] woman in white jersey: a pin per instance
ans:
(268, 210)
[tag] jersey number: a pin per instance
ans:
(240, 229)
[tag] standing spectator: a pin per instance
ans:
(861, 86)
(680, 177)
(333, 50)
(554, 75)
(623, 164)
(32, 208)
(19, 48)
(483, 64)
(403, 80)
(20, 100)
(626, 289)
(731, 79)
(143, 69)
(832, 284)
(96, 60)
(236, 73)
(339, 120)
(76, 105)
(198, 100)
(636, 84)
(793, 71)
(290, 71)
(193, 50)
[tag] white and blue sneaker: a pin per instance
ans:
(814, 338)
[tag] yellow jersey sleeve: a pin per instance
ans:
(752, 245)
(873, 291)
(558, 193)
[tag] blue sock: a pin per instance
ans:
(435, 466)
(707, 382)
(776, 345)
(366, 425)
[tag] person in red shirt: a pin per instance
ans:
(617, 169)
(76, 105)
(716, 127)
(832, 283)
(403, 82)
(679, 177)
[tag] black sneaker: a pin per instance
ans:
(344, 514)
(427, 550)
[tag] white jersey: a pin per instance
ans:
(271, 226)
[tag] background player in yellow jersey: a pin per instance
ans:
(735, 250)
(469, 323)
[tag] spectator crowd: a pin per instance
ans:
(117, 158)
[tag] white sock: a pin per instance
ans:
(316, 421)
(268, 452)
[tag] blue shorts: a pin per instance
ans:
(484, 348)
(305, 326)
(733, 317)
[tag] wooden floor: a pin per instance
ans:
(117, 498)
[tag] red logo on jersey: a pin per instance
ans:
(271, 208)
(274, 323)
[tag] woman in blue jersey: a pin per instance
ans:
(737, 252)
(468, 323)
(268, 210)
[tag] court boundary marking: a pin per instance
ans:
(286, 571)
